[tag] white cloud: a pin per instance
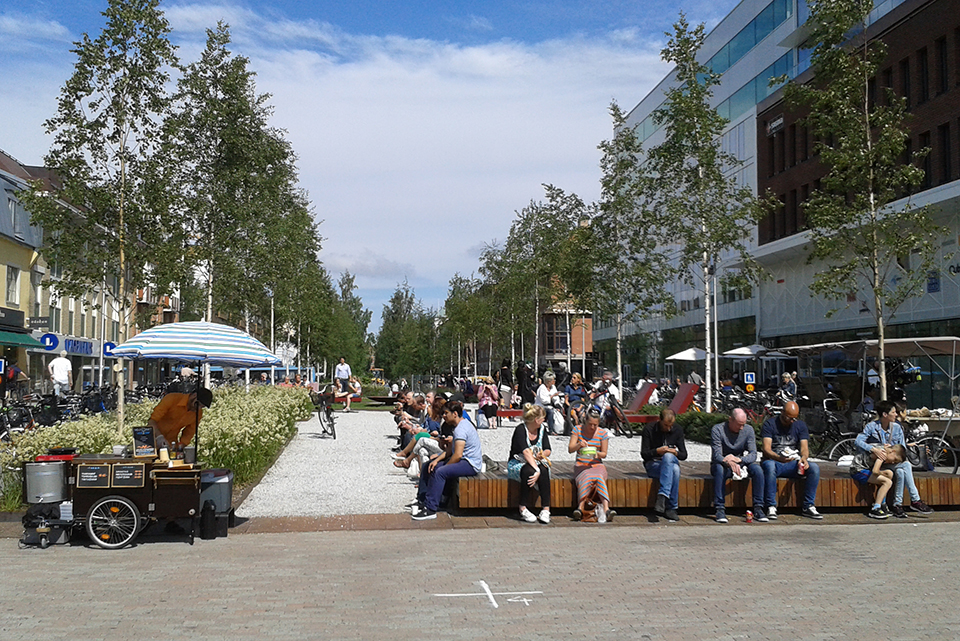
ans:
(415, 152)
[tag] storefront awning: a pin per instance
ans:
(19, 340)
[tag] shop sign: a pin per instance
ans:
(775, 125)
(50, 342)
(38, 322)
(933, 282)
(11, 317)
(3, 367)
(75, 346)
(108, 348)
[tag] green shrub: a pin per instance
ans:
(697, 425)
(240, 431)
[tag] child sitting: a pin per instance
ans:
(868, 468)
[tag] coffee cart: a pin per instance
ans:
(113, 498)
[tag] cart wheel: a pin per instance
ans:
(113, 522)
(44, 542)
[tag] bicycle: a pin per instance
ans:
(324, 407)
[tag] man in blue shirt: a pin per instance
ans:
(734, 450)
(886, 431)
(785, 452)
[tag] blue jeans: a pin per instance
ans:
(720, 475)
(431, 485)
(667, 470)
(773, 470)
(903, 473)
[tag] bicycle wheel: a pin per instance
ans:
(331, 423)
(842, 448)
(942, 456)
(113, 522)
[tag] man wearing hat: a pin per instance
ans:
(175, 418)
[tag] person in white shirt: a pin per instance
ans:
(546, 394)
(61, 373)
(342, 373)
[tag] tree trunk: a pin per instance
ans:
(708, 373)
(620, 351)
(121, 379)
(536, 330)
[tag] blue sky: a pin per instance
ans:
(421, 127)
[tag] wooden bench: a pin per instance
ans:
(630, 487)
(505, 413)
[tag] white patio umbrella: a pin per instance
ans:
(753, 351)
(689, 354)
(198, 342)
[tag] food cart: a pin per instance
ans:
(114, 497)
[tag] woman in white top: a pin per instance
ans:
(546, 394)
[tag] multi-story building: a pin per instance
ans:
(760, 40)
(85, 326)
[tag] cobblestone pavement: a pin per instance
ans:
(896, 580)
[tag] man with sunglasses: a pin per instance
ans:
(785, 453)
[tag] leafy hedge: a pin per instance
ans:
(240, 431)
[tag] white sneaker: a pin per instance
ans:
(544, 516)
(527, 515)
(772, 513)
(601, 515)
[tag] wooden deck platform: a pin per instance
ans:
(630, 487)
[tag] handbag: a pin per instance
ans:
(919, 461)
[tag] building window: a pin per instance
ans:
(115, 331)
(946, 153)
(56, 271)
(36, 284)
(82, 330)
(55, 313)
(927, 160)
(555, 334)
(943, 72)
(905, 81)
(887, 85)
(804, 143)
(923, 65)
(71, 304)
(13, 285)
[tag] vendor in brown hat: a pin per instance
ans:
(176, 416)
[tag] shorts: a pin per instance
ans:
(861, 476)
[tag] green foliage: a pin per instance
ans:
(240, 431)
(108, 215)
(407, 339)
(697, 425)
(862, 242)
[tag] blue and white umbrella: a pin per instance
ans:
(198, 341)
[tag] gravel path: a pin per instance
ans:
(354, 474)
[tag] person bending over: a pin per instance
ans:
(785, 453)
(869, 467)
(662, 447)
(733, 450)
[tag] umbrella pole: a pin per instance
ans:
(196, 434)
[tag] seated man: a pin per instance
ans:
(886, 431)
(175, 418)
(733, 449)
(785, 453)
(662, 447)
(464, 458)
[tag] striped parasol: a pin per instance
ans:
(197, 341)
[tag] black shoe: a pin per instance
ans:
(898, 511)
(671, 515)
(661, 505)
(423, 514)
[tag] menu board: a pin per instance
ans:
(93, 475)
(127, 475)
(144, 445)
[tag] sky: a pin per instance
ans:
(420, 127)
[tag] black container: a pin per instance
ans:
(208, 521)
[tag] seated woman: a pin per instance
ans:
(590, 442)
(424, 443)
(529, 462)
(576, 399)
(487, 400)
(547, 394)
(465, 458)
(353, 388)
